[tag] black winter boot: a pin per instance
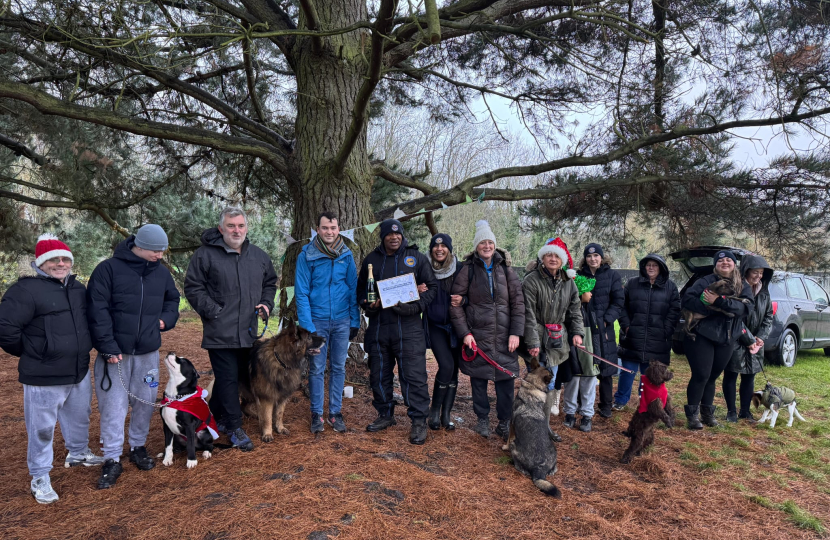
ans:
(569, 420)
(483, 427)
(446, 408)
(707, 415)
(745, 414)
(380, 423)
(418, 433)
(732, 416)
(503, 429)
(438, 393)
(692, 420)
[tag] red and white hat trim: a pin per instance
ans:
(48, 247)
(558, 248)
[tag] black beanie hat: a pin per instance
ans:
(590, 249)
(441, 238)
(389, 226)
(722, 254)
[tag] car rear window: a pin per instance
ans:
(776, 290)
(795, 288)
(816, 292)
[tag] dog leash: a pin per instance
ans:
(135, 397)
(479, 352)
(586, 351)
(255, 322)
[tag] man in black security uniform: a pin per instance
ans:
(396, 334)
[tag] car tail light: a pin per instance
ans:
(774, 308)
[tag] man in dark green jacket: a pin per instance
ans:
(228, 281)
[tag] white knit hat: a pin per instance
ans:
(558, 248)
(483, 232)
(48, 247)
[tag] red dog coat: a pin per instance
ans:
(196, 405)
(650, 393)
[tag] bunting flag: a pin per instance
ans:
(481, 197)
(313, 234)
(371, 227)
(443, 206)
(468, 200)
(289, 239)
(398, 214)
(421, 211)
(289, 293)
(348, 234)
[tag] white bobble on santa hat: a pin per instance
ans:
(49, 247)
(558, 248)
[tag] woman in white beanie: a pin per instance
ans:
(492, 319)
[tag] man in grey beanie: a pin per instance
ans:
(131, 299)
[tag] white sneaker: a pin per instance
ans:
(85, 458)
(554, 410)
(42, 490)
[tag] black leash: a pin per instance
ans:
(255, 323)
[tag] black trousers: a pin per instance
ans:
(446, 356)
(606, 392)
(386, 348)
(229, 366)
(730, 380)
(504, 398)
(707, 361)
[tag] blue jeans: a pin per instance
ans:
(337, 344)
(543, 360)
(623, 393)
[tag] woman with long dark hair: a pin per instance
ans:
(709, 347)
(748, 355)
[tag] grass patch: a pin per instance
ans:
(802, 518)
(761, 501)
(353, 477)
(811, 474)
(740, 443)
(687, 456)
(735, 462)
(709, 466)
(504, 460)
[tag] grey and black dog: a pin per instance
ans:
(533, 453)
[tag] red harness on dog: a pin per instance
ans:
(650, 393)
(196, 405)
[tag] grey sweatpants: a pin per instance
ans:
(43, 406)
(584, 389)
(141, 375)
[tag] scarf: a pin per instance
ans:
(331, 252)
(444, 269)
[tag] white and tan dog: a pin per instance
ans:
(773, 398)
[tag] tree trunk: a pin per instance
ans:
(328, 80)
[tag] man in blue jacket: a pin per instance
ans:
(131, 299)
(325, 288)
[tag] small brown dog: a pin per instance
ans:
(655, 405)
(275, 368)
(721, 288)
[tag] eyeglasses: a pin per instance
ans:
(64, 260)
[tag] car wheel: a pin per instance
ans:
(788, 350)
(677, 347)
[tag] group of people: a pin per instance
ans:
(474, 313)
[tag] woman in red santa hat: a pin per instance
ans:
(553, 313)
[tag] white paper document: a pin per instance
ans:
(397, 289)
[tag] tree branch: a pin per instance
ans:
(48, 104)
(250, 78)
(459, 193)
(359, 114)
(312, 22)
(380, 169)
(21, 149)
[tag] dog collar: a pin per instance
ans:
(181, 397)
(280, 361)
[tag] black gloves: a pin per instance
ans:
(353, 333)
(405, 310)
(368, 309)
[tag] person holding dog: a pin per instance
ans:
(395, 334)
(325, 291)
(710, 345)
(230, 282)
(491, 318)
(132, 299)
(43, 323)
(748, 356)
(441, 338)
(647, 322)
(601, 308)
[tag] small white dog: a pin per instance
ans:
(773, 398)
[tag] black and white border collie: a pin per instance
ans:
(186, 415)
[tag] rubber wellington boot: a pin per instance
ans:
(446, 407)
(438, 393)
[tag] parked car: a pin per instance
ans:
(801, 307)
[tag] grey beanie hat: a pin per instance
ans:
(151, 237)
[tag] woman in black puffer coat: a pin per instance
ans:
(440, 337)
(601, 308)
(709, 347)
(652, 310)
(757, 274)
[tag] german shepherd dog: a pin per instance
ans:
(275, 368)
(533, 453)
(650, 411)
(720, 287)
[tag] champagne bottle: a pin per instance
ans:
(371, 294)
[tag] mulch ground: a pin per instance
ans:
(363, 485)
